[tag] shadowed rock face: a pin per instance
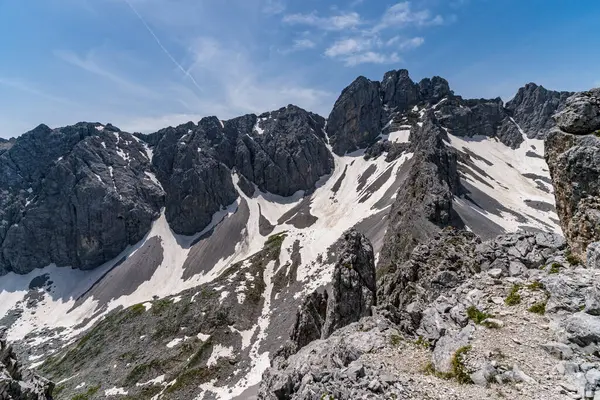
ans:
(191, 165)
(574, 163)
(365, 108)
(16, 383)
(73, 196)
(424, 203)
(533, 106)
(353, 285)
(282, 151)
(355, 120)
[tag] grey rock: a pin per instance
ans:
(310, 320)
(330, 356)
(423, 205)
(582, 329)
(533, 107)
(353, 290)
(593, 377)
(581, 114)
(416, 281)
(593, 255)
(574, 163)
(74, 196)
(355, 120)
(374, 386)
(484, 375)
(400, 92)
(558, 350)
(355, 371)
(592, 301)
(447, 346)
(516, 268)
(495, 273)
(17, 383)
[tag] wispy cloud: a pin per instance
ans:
(360, 40)
(336, 22)
(32, 89)
(91, 65)
(163, 48)
(402, 15)
(273, 7)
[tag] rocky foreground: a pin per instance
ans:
(514, 317)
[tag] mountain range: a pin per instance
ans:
(184, 263)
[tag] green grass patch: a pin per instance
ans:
(421, 341)
(477, 316)
(555, 268)
(141, 370)
(159, 306)
(513, 297)
(458, 369)
(535, 285)
(572, 258)
(538, 308)
(87, 394)
(195, 376)
(395, 339)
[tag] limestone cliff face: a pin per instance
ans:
(573, 156)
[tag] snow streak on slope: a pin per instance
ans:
(512, 188)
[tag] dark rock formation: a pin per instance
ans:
(282, 151)
(424, 203)
(434, 267)
(574, 163)
(17, 383)
(309, 320)
(353, 290)
(74, 196)
(190, 164)
(355, 121)
(532, 108)
(581, 114)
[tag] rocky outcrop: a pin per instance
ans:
(581, 114)
(280, 152)
(351, 295)
(190, 164)
(533, 107)
(283, 151)
(330, 368)
(17, 383)
(574, 163)
(423, 204)
(434, 267)
(75, 196)
(353, 290)
(355, 121)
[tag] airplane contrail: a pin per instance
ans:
(164, 49)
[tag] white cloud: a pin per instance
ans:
(90, 64)
(401, 15)
(405, 44)
(346, 46)
(371, 57)
(338, 22)
(273, 7)
(302, 44)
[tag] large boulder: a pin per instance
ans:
(581, 114)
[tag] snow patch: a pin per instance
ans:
(115, 391)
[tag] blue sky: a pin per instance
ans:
(146, 64)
